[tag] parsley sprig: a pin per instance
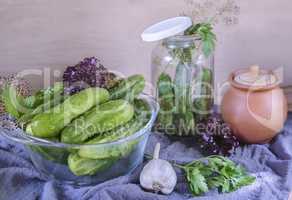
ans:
(215, 172)
(205, 32)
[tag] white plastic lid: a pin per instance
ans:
(166, 28)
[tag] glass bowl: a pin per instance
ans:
(51, 158)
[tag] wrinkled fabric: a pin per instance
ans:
(271, 164)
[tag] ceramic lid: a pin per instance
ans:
(255, 77)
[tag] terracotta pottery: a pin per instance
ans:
(254, 106)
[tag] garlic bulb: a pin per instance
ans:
(158, 175)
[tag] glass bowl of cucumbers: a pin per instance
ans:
(89, 137)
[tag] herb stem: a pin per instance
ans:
(179, 166)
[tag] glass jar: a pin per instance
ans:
(183, 77)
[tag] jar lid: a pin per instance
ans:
(255, 77)
(166, 28)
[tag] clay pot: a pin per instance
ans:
(254, 106)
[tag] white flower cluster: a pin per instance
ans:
(214, 12)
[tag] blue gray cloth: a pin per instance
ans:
(271, 164)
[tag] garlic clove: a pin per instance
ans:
(158, 175)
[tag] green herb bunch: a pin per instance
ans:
(205, 32)
(215, 172)
(205, 15)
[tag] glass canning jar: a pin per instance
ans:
(183, 77)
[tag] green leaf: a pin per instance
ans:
(215, 182)
(225, 186)
(12, 101)
(243, 181)
(208, 37)
(207, 171)
(218, 172)
(241, 170)
(229, 171)
(215, 163)
(197, 182)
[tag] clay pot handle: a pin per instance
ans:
(254, 71)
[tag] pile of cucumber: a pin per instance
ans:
(92, 116)
(183, 100)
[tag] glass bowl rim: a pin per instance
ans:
(24, 138)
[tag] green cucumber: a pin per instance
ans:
(117, 150)
(44, 95)
(166, 102)
(26, 118)
(51, 122)
(53, 154)
(98, 120)
(88, 167)
(185, 124)
(184, 118)
(204, 101)
(141, 117)
(128, 88)
(142, 110)
(182, 88)
(12, 101)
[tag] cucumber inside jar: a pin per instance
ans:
(166, 99)
(184, 119)
(184, 103)
(203, 99)
(185, 93)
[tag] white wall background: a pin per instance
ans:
(56, 33)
